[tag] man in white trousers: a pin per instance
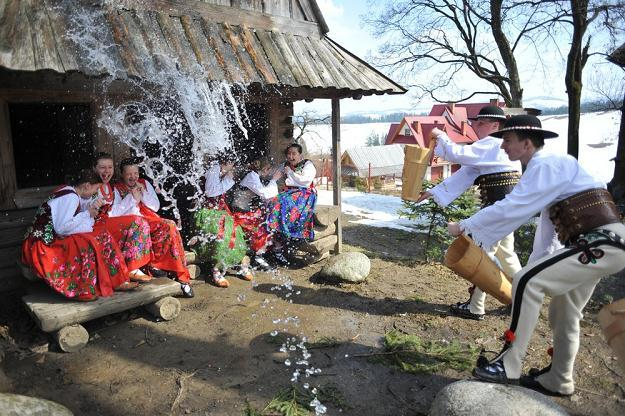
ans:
(575, 211)
(485, 164)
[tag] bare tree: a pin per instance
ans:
(305, 120)
(459, 37)
(617, 184)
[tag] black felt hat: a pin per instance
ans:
(524, 122)
(490, 111)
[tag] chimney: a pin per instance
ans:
(417, 127)
(464, 128)
(452, 107)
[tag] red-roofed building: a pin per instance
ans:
(451, 118)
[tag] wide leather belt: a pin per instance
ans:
(583, 212)
(495, 186)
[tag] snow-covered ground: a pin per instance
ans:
(373, 209)
(598, 139)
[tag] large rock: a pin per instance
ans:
(351, 267)
(17, 405)
(468, 398)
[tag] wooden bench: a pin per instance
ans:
(63, 317)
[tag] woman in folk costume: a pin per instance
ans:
(138, 197)
(249, 207)
(291, 212)
(68, 249)
(485, 164)
(219, 179)
(575, 211)
(220, 239)
(132, 232)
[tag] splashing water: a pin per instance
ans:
(179, 119)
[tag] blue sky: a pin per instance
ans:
(344, 18)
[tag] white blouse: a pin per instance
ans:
(480, 158)
(304, 178)
(252, 182)
(64, 218)
(549, 178)
(129, 205)
(217, 185)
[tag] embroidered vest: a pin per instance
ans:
(42, 228)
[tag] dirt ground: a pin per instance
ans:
(219, 354)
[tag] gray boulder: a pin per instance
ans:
(468, 398)
(17, 405)
(350, 267)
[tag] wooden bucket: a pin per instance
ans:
(612, 320)
(473, 264)
(415, 165)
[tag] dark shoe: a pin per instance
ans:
(260, 263)
(530, 382)
(494, 373)
(535, 372)
(187, 290)
(461, 309)
(280, 258)
(158, 272)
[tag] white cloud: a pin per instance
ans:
(329, 9)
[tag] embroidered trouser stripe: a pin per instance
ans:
(570, 284)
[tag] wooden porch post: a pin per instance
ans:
(8, 180)
(336, 160)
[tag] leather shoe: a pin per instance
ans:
(462, 310)
(531, 383)
(494, 373)
(187, 290)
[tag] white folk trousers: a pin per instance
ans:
(569, 283)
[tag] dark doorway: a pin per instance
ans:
(257, 125)
(51, 142)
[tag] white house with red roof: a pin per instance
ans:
(452, 118)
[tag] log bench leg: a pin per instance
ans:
(72, 338)
(166, 308)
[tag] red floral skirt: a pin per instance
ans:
(253, 225)
(167, 251)
(132, 234)
(78, 265)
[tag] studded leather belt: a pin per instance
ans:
(495, 186)
(583, 212)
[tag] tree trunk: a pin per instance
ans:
(574, 65)
(617, 184)
(513, 94)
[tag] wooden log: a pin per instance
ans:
(320, 246)
(10, 278)
(52, 312)
(72, 338)
(190, 257)
(321, 232)
(326, 214)
(167, 308)
(194, 271)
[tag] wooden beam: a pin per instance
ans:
(8, 180)
(336, 159)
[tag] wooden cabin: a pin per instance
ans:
(51, 95)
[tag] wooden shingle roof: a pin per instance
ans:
(231, 45)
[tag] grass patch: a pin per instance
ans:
(411, 354)
(295, 401)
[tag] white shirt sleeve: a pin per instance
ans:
(63, 219)
(303, 179)
(537, 189)
(452, 187)
(252, 181)
(456, 153)
(216, 185)
(150, 199)
(545, 239)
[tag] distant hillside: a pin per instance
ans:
(395, 117)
